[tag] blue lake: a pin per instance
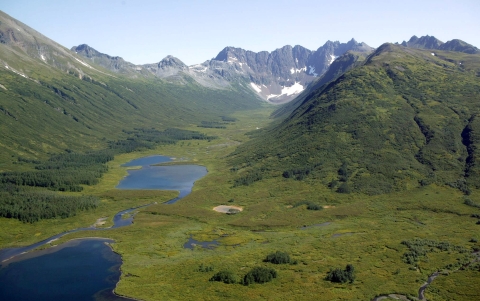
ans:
(172, 177)
(87, 269)
(82, 269)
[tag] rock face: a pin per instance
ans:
(277, 76)
(113, 63)
(280, 75)
(430, 42)
(425, 42)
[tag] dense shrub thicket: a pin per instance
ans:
(212, 124)
(310, 205)
(342, 276)
(278, 258)
(259, 275)
(471, 203)
(229, 119)
(225, 277)
(148, 138)
(299, 173)
(248, 179)
(419, 248)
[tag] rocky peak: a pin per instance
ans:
(425, 42)
(171, 62)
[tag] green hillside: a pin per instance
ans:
(51, 100)
(402, 119)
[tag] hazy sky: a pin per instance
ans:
(145, 31)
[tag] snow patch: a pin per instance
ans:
(83, 63)
(256, 87)
(296, 60)
(295, 89)
(433, 54)
(287, 91)
(312, 71)
(293, 70)
(272, 96)
(15, 71)
(332, 58)
(43, 58)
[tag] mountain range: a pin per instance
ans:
(277, 76)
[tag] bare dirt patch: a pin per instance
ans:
(228, 209)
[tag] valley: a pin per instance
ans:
(364, 182)
(373, 227)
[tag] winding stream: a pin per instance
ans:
(421, 291)
(87, 269)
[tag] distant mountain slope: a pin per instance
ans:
(277, 76)
(430, 42)
(401, 119)
(52, 99)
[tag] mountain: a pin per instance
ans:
(401, 119)
(425, 42)
(277, 76)
(459, 45)
(430, 42)
(52, 98)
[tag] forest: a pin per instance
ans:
(31, 206)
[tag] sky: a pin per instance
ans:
(146, 31)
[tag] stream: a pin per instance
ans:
(421, 291)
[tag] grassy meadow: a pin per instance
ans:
(366, 231)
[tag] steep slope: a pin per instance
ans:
(51, 99)
(402, 119)
(277, 76)
(341, 65)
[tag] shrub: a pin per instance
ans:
(278, 258)
(310, 205)
(259, 275)
(342, 276)
(471, 203)
(225, 277)
(344, 188)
